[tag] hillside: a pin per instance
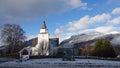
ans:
(89, 38)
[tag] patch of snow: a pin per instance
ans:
(53, 62)
(114, 32)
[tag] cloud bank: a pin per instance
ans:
(17, 9)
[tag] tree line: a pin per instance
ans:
(101, 48)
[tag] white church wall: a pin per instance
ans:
(42, 37)
(43, 30)
(43, 42)
(34, 51)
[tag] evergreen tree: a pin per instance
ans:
(97, 47)
(107, 49)
(103, 48)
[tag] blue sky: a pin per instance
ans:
(63, 17)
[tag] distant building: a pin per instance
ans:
(45, 45)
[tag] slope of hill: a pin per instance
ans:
(91, 37)
(82, 39)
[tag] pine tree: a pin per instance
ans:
(103, 48)
(97, 47)
(107, 49)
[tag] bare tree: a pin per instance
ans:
(13, 36)
(86, 50)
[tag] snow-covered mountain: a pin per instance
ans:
(89, 37)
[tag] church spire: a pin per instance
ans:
(43, 29)
(44, 25)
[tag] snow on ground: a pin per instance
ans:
(58, 63)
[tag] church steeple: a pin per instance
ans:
(44, 25)
(43, 29)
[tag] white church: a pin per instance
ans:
(45, 45)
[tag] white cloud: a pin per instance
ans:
(86, 21)
(76, 3)
(100, 18)
(79, 24)
(59, 30)
(12, 9)
(103, 29)
(116, 11)
(115, 21)
(107, 29)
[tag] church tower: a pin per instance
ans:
(43, 29)
(43, 41)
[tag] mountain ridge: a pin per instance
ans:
(85, 37)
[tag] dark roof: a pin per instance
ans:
(55, 39)
(44, 25)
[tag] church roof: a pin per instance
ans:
(44, 25)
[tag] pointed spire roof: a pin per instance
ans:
(44, 25)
